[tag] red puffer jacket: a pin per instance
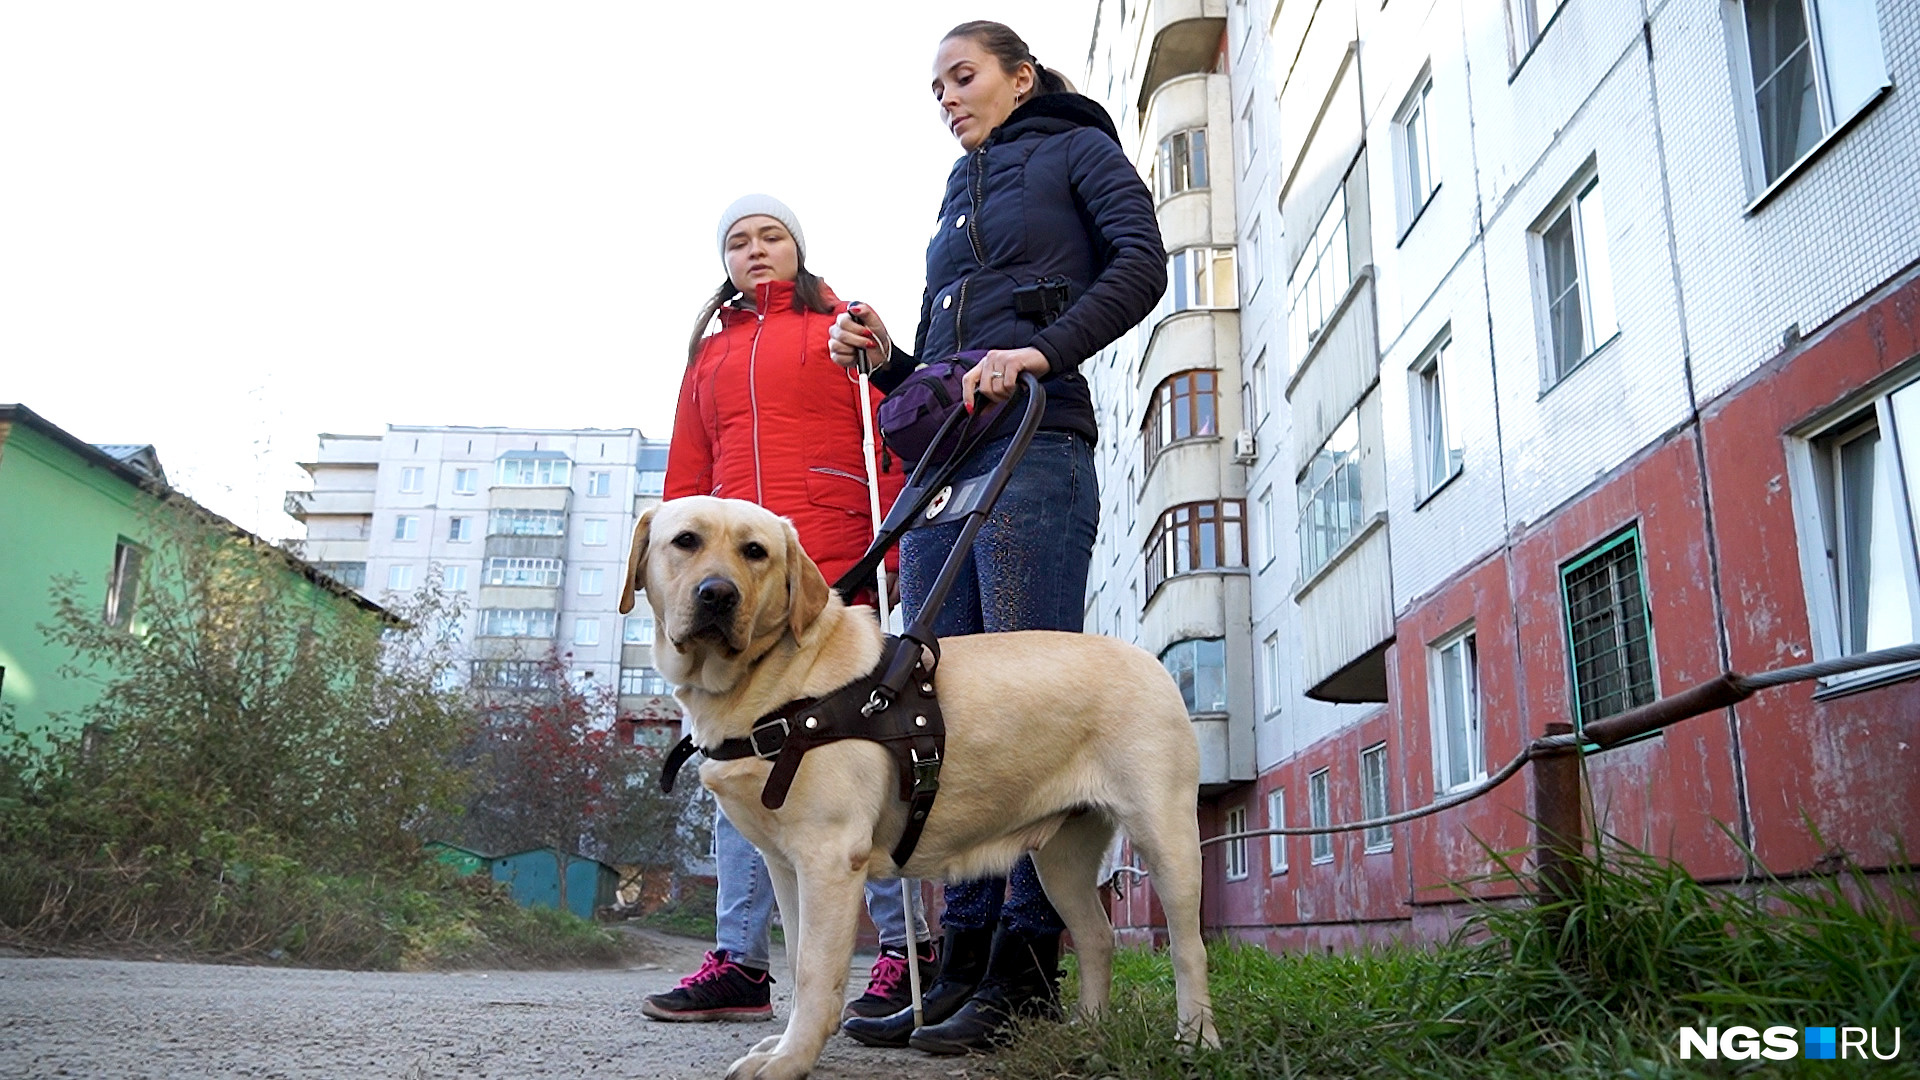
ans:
(766, 415)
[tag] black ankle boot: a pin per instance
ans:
(963, 962)
(1022, 982)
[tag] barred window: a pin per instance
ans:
(513, 571)
(1184, 407)
(1196, 536)
(1320, 814)
(1373, 796)
(527, 523)
(1608, 629)
(516, 622)
(1236, 849)
(643, 681)
(1330, 502)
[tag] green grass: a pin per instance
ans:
(1595, 986)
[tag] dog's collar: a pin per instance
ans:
(765, 741)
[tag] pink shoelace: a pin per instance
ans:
(889, 974)
(710, 969)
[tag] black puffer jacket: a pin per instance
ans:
(1048, 194)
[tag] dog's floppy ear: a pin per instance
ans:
(637, 561)
(806, 586)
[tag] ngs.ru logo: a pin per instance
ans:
(1742, 1043)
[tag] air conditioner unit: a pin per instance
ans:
(1243, 447)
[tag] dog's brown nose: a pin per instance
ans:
(717, 596)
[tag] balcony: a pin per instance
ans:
(301, 505)
(1346, 620)
(1186, 40)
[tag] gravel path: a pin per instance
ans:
(128, 1020)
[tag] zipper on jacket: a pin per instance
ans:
(825, 471)
(975, 196)
(753, 397)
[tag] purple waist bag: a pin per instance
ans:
(913, 414)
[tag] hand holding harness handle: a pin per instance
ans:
(916, 735)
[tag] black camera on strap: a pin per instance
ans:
(1044, 300)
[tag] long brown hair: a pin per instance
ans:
(1011, 50)
(808, 295)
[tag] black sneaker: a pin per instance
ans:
(720, 990)
(888, 988)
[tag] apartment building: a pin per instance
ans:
(1575, 341)
(529, 527)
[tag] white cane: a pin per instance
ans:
(880, 601)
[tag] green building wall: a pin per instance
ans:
(60, 514)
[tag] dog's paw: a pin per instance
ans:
(760, 1066)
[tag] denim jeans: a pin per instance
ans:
(1027, 570)
(743, 911)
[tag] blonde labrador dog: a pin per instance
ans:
(1054, 740)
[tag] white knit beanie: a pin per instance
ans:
(747, 206)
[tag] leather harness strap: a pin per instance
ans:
(910, 726)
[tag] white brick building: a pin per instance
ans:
(1535, 299)
(529, 527)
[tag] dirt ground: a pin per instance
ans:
(130, 1019)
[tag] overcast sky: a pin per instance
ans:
(228, 227)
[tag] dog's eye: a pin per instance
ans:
(687, 541)
(754, 552)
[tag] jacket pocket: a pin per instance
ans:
(838, 489)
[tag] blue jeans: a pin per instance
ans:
(743, 911)
(1027, 570)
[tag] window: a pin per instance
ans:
(593, 531)
(586, 631)
(510, 674)
(1257, 384)
(1277, 819)
(1198, 278)
(351, 574)
(1579, 283)
(1416, 181)
(1256, 269)
(1320, 811)
(1531, 21)
(599, 483)
(1321, 279)
(1236, 849)
(411, 480)
(1199, 668)
(1270, 673)
(1459, 752)
(516, 622)
(1373, 796)
(459, 529)
(653, 470)
(1269, 539)
(639, 625)
(592, 581)
(1866, 582)
(406, 526)
(1810, 66)
(1330, 503)
(1441, 452)
(400, 577)
(1182, 165)
(527, 523)
(544, 573)
(466, 481)
(643, 680)
(123, 583)
(534, 471)
(1196, 536)
(1608, 629)
(455, 578)
(1184, 407)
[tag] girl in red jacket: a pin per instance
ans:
(766, 415)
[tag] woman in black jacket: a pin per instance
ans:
(1047, 250)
